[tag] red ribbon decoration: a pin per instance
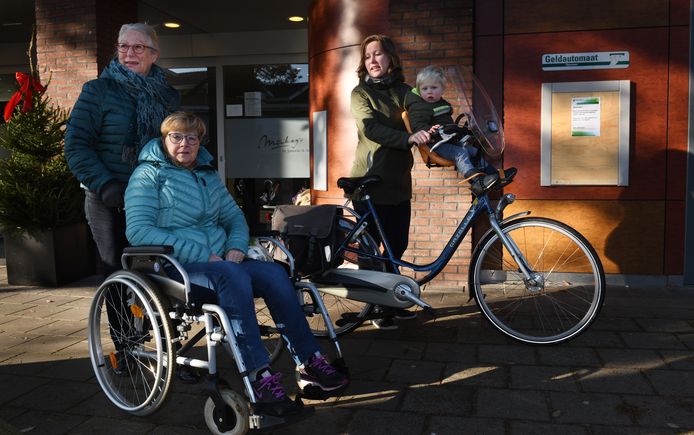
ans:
(27, 86)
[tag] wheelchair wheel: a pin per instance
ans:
(564, 295)
(271, 337)
(130, 344)
(239, 412)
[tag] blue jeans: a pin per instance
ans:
(467, 159)
(236, 285)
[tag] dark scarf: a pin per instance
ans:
(387, 81)
(155, 99)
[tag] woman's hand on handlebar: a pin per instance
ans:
(419, 138)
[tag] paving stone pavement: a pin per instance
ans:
(631, 373)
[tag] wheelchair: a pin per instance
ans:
(139, 326)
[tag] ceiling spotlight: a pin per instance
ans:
(296, 19)
(172, 25)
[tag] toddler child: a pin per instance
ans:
(431, 83)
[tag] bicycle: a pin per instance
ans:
(537, 280)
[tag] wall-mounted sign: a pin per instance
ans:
(585, 133)
(576, 61)
(585, 116)
(267, 147)
(253, 103)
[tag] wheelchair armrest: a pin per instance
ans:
(265, 233)
(163, 252)
(275, 243)
(148, 249)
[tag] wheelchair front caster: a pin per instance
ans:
(232, 419)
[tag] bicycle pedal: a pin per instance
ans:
(429, 312)
(346, 318)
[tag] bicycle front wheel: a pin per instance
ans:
(563, 296)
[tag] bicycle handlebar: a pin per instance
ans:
(455, 133)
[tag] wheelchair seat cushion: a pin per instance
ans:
(202, 295)
(199, 293)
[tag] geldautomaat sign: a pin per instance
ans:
(595, 60)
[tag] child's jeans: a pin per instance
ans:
(468, 159)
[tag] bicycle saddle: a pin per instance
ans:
(350, 184)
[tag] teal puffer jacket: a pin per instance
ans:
(192, 210)
(102, 122)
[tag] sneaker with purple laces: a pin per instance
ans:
(271, 397)
(318, 372)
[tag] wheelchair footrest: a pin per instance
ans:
(312, 392)
(261, 422)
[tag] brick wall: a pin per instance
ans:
(435, 32)
(75, 40)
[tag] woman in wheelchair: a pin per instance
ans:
(175, 197)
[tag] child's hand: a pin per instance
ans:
(434, 129)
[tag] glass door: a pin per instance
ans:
(266, 137)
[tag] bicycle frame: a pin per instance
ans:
(480, 206)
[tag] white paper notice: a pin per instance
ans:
(252, 101)
(234, 109)
(585, 116)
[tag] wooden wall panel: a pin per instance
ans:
(678, 109)
(627, 235)
(674, 237)
(489, 17)
(679, 12)
(489, 67)
(648, 73)
(533, 16)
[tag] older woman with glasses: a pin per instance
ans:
(113, 118)
(175, 197)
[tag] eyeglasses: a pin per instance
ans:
(137, 48)
(177, 138)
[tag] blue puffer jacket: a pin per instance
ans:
(102, 122)
(192, 210)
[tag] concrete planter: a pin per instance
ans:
(49, 257)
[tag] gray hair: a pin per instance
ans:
(143, 28)
(431, 73)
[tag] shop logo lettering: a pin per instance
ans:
(285, 144)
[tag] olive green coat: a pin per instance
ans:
(383, 149)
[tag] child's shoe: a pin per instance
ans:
(318, 372)
(483, 183)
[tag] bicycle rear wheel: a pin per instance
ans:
(346, 314)
(566, 292)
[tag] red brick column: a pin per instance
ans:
(439, 33)
(75, 40)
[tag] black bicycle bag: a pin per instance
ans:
(310, 233)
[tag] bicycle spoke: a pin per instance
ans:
(564, 294)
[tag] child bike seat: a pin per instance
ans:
(429, 158)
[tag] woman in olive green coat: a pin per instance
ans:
(377, 104)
